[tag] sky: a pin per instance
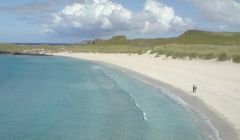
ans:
(72, 21)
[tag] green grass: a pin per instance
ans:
(221, 52)
(192, 44)
(190, 37)
(109, 49)
(223, 56)
(236, 58)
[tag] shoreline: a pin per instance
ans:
(223, 125)
(24, 53)
(168, 90)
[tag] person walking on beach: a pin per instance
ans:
(194, 88)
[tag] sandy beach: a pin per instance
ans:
(217, 82)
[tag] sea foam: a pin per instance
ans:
(192, 111)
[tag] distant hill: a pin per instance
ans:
(189, 37)
(206, 37)
(191, 44)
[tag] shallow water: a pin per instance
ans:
(61, 98)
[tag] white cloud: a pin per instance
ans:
(158, 17)
(226, 11)
(104, 17)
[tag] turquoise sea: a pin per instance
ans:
(57, 98)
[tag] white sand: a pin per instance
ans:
(218, 82)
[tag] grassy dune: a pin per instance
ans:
(222, 52)
(191, 44)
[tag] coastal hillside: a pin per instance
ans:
(189, 37)
(191, 44)
(206, 37)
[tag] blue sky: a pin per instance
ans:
(67, 21)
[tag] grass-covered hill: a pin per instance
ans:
(191, 44)
(213, 38)
(189, 37)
